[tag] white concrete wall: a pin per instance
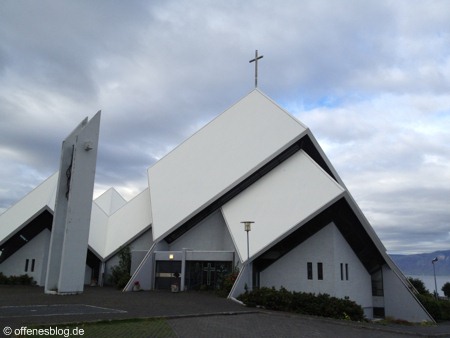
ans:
(329, 247)
(127, 222)
(398, 300)
(110, 201)
(143, 242)
(211, 234)
(136, 258)
(279, 201)
(36, 249)
(98, 229)
(138, 249)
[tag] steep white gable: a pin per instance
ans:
(43, 196)
(278, 202)
(128, 222)
(217, 157)
(110, 201)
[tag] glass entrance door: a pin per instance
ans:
(167, 274)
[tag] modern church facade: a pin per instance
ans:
(254, 162)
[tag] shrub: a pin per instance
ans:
(419, 285)
(16, 280)
(3, 279)
(438, 309)
(446, 289)
(305, 303)
(120, 274)
(224, 288)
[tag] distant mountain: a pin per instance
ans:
(420, 264)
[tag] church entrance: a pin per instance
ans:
(206, 275)
(167, 274)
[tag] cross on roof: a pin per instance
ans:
(255, 60)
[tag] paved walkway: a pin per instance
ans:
(190, 314)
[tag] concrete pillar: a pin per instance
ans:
(71, 220)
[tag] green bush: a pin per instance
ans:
(227, 283)
(3, 279)
(438, 309)
(305, 303)
(120, 274)
(446, 289)
(419, 285)
(16, 280)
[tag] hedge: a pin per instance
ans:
(305, 303)
(16, 280)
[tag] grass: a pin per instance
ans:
(114, 328)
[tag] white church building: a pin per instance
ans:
(254, 162)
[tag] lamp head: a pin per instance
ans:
(247, 225)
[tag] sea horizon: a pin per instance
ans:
(428, 281)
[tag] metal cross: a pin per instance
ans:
(255, 60)
(208, 271)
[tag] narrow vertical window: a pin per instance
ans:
(320, 271)
(310, 272)
(346, 271)
(26, 264)
(342, 271)
(32, 264)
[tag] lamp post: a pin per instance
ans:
(435, 259)
(248, 228)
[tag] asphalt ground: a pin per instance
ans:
(189, 314)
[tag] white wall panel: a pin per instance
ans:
(36, 249)
(127, 222)
(110, 201)
(278, 202)
(328, 247)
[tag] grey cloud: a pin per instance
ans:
(370, 79)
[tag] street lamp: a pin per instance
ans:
(435, 259)
(248, 228)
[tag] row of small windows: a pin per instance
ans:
(344, 268)
(309, 269)
(27, 265)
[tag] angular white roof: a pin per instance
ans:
(216, 158)
(110, 201)
(114, 222)
(17, 216)
(128, 222)
(287, 196)
(108, 233)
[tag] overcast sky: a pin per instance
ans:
(370, 78)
